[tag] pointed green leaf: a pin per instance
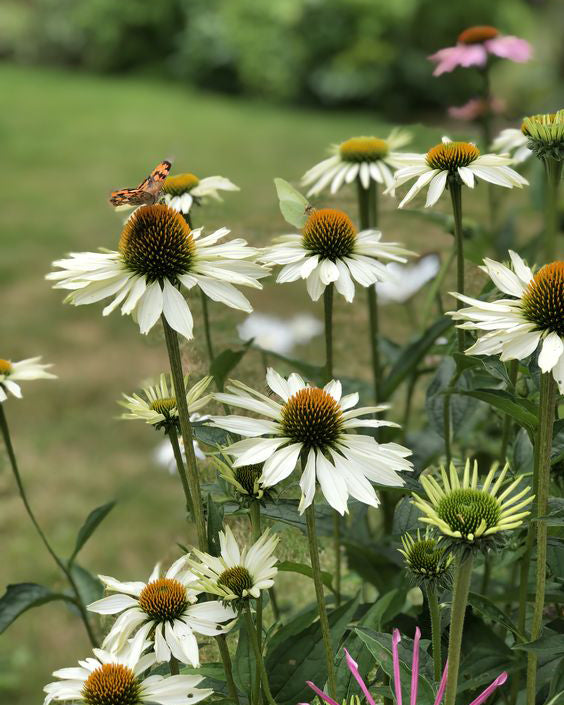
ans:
(507, 404)
(224, 363)
(21, 597)
(93, 520)
(303, 569)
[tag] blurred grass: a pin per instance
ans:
(66, 141)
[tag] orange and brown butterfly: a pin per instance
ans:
(148, 191)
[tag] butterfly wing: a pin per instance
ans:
(294, 207)
(146, 193)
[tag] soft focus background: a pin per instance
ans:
(94, 93)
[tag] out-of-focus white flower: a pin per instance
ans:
(183, 190)
(513, 142)
(22, 371)
(280, 335)
(408, 279)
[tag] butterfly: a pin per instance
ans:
(146, 193)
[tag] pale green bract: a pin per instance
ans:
(293, 206)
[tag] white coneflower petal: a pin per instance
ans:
(22, 371)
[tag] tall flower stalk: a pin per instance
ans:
(63, 566)
(542, 476)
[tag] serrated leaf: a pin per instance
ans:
(412, 355)
(506, 403)
(303, 569)
(93, 520)
(21, 597)
(302, 657)
(293, 206)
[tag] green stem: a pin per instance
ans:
(258, 655)
(207, 327)
(274, 603)
(173, 666)
(434, 291)
(455, 189)
(507, 421)
(553, 176)
(323, 620)
(458, 610)
(543, 452)
(227, 667)
(337, 549)
(173, 349)
(254, 514)
(434, 611)
(446, 427)
(60, 563)
(173, 438)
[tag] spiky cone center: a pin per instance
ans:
(236, 579)
(478, 34)
(180, 183)
(425, 559)
(163, 599)
(363, 149)
(112, 684)
(157, 243)
(329, 233)
(448, 156)
(544, 127)
(467, 511)
(312, 417)
(247, 476)
(5, 367)
(543, 300)
(166, 407)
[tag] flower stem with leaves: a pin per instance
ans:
(65, 568)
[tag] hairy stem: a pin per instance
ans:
(553, 176)
(254, 514)
(261, 670)
(173, 349)
(458, 610)
(173, 438)
(227, 667)
(207, 327)
(434, 611)
(543, 452)
(65, 569)
(323, 620)
(456, 199)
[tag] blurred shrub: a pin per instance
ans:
(370, 53)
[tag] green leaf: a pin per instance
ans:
(380, 646)
(244, 662)
(523, 453)
(301, 657)
(507, 404)
(286, 511)
(492, 365)
(406, 517)
(21, 597)
(214, 675)
(373, 565)
(555, 555)
(224, 363)
(215, 525)
(293, 206)
(93, 520)
(412, 355)
(89, 587)
(550, 644)
(557, 442)
(313, 373)
(210, 435)
(486, 608)
(555, 516)
(303, 569)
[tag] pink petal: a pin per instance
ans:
(442, 686)
(415, 668)
(353, 668)
(396, 638)
(512, 48)
(321, 694)
(500, 680)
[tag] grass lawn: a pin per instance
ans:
(66, 141)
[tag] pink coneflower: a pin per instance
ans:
(396, 638)
(474, 46)
(477, 108)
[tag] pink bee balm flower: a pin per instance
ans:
(475, 45)
(396, 638)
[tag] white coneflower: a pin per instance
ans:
(315, 424)
(364, 158)
(279, 335)
(157, 255)
(165, 611)
(407, 279)
(156, 405)
(25, 370)
(111, 679)
(515, 327)
(182, 191)
(513, 142)
(459, 160)
(237, 575)
(469, 512)
(331, 250)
